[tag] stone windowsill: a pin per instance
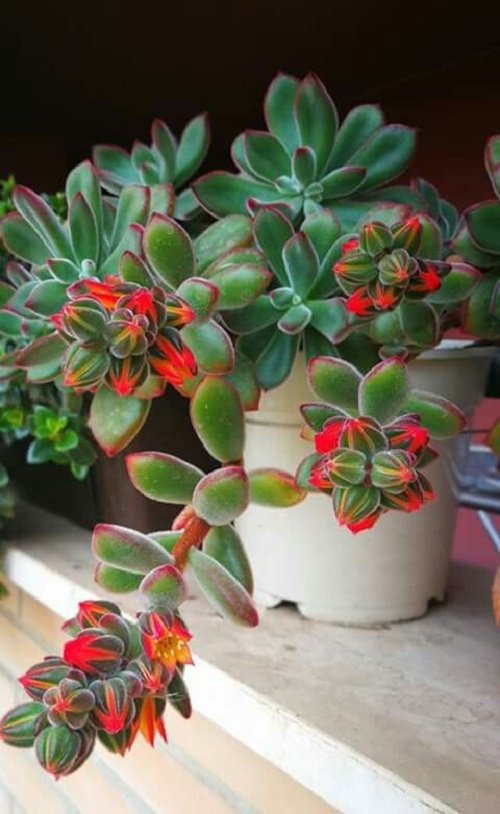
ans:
(400, 719)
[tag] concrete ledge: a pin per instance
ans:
(403, 719)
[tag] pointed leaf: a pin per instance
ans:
(317, 119)
(42, 351)
(385, 155)
(42, 219)
(279, 110)
(221, 193)
(193, 148)
(342, 182)
(222, 590)
(83, 230)
(275, 488)
(275, 363)
(272, 231)
(201, 295)
(22, 240)
(384, 390)
(483, 221)
(442, 418)
(265, 155)
(133, 207)
(360, 123)
(115, 420)
(224, 544)
(301, 263)
(169, 250)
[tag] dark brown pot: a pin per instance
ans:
(167, 429)
(107, 495)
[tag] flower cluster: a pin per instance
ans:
(369, 469)
(119, 333)
(112, 682)
(381, 266)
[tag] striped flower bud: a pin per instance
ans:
(57, 749)
(17, 727)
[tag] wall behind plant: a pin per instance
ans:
(78, 73)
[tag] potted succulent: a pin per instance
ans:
(317, 288)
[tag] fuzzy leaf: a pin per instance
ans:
(222, 590)
(133, 207)
(240, 285)
(383, 390)
(115, 420)
(275, 488)
(83, 230)
(442, 418)
(126, 549)
(47, 298)
(163, 588)
(222, 495)
(42, 219)
(224, 544)
(217, 416)
(163, 477)
(457, 286)
(272, 231)
(243, 378)
(201, 295)
(334, 381)
(115, 580)
(169, 250)
(232, 232)
(420, 323)
(211, 346)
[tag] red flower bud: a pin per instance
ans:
(17, 727)
(114, 710)
(44, 675)
(94, 652)
(57, 749)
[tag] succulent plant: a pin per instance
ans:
(478, 241)
(305, 160)
(371, 436)
(104, 688)
(166, 161)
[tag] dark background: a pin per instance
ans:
(74, 74)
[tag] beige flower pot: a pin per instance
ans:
(386, 574)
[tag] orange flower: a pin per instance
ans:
(166, 640)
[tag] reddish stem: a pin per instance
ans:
(192, 536)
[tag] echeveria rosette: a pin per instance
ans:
(305, 160)
(110, 684)
(166, 161)
(304, 307)
(61, 436)
(397, 282)
(371, 435)
(478, 241)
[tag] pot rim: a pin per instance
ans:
(457, 349)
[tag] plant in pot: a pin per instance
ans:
(280, 281)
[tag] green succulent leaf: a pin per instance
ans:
(360, 123)
(126, 549)
(211, 347)
(193, 148)
(316, 414)
(272, 231)
(133, 207)
(163, 477)
(265, 155)
(330, 317)
(201, 295)
(317, 119)
(456, 286)
(38, 214)
(230, 233)
(169, 250)
(342, 182)
(301, 263)
(45, 350)
(420, 323)
(279, 109)
(295, 320)
(492, 162)
(115, 580)
(275, 362)
(240, 285)
(223, 543)
(275, 488)
(223, 591)
(243, 378)
(480, 318)
(334, 381)
(304, 472)
(442, 418)
(483, 222)
(384, 390)
(221, 193)
(254, 317)
(47, 298)
(22, 240)
(304, 166)
(385, 155)
(221, 496)
(115, 420)
(217, 416)
(83, 230)
(163, 588)
(322, 229)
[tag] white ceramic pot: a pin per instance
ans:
(386, 574)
